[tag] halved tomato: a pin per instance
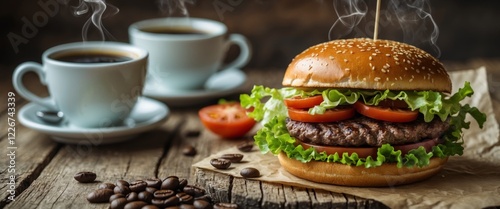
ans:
(228, 120)
(386, 113)
(364, 152)
(303, 103)
(330, 115)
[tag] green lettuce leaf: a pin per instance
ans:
(269, 109)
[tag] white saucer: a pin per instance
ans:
(220, 84)
(146, 115)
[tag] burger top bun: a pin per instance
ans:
(367, 64)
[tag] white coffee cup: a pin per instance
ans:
(186, 61)
(96, 94)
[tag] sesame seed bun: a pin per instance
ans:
(339, 174)
(367, 64)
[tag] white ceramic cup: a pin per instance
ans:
(90, 95)
(186, 61)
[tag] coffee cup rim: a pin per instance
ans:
(136, 53)
(135, 28)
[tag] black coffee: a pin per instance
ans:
(174, 30)
(91, 57)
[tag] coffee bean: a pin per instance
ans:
(163, 194)
(202, 204)
(182, 184)
(154, 182)
(138, 186)
(186, 206)
(116, 196)
(132, 196)
(220, 163)
(150, 207)
(106, 186)
(85, 177)
(184, 197)
(100, 195)
(122, 189)
(234, 158)
(171, 183)
(173, 207)
(223, 205)
(151, 190)
(204, 197)
(171, 201)
(249, 172)
(145, 196)
(118, 203)
(135, 205)
(189, 150)
(246, 146)
(193, 190)
(122, 182)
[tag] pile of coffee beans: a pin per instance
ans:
(172, 192)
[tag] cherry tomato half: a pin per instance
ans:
(386, 114)
(227, 120)
(337, 114)
(303, 103)
(364, 152)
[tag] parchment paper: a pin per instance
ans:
(468, 181)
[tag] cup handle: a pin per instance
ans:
(245, 51)
(17, 80)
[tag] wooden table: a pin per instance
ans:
(44, 169)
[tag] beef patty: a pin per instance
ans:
(363, 131)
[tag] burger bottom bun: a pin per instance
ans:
(346, 175)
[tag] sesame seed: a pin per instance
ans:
(347, 69)
(377, 78)
(388, 55)
(331, 57)
(370, 58)
(345, 60)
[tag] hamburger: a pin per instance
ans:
(362, 112)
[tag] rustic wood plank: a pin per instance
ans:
(131, 160)
(34, 151)
(246, 193)
(326, 199)
(273, 195)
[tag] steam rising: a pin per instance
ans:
(97, 8)
(171, 7)
(408, 21)
(416, 22)
(350, 13)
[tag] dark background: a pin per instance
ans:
(278, 30)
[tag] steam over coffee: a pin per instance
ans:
(174, 30)
(91, 57)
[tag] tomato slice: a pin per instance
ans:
(227, 120)
(364, 152)
(385, 113)
(337, 114)
(303, 103)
